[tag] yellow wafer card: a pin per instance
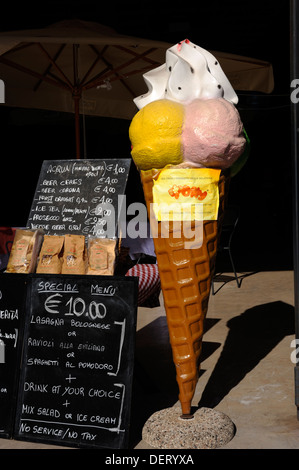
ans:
(186, 194)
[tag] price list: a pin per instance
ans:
(80, 197)
(75, 389)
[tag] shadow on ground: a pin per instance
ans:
(154, 386)
(251, 337)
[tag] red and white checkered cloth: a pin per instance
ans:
(149, 284)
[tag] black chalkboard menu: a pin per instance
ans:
(75, 385)
(79, 196)
(12, 316)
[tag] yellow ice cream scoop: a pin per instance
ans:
(155, 134)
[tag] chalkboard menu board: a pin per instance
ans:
(12, 316)
(79, 196)
(75, 386)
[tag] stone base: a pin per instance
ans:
(208, 429)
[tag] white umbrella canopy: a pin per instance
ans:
(87, 68)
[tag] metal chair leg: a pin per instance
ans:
(234, 269)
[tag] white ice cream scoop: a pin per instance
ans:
(190, 72)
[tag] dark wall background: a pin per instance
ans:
(263, 189)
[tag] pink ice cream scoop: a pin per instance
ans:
(212, 134)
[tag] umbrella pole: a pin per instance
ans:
(77, 125)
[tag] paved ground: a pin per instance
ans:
(246, 371)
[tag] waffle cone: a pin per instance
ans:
(186, 274)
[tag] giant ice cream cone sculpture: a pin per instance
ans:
(186, 132)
